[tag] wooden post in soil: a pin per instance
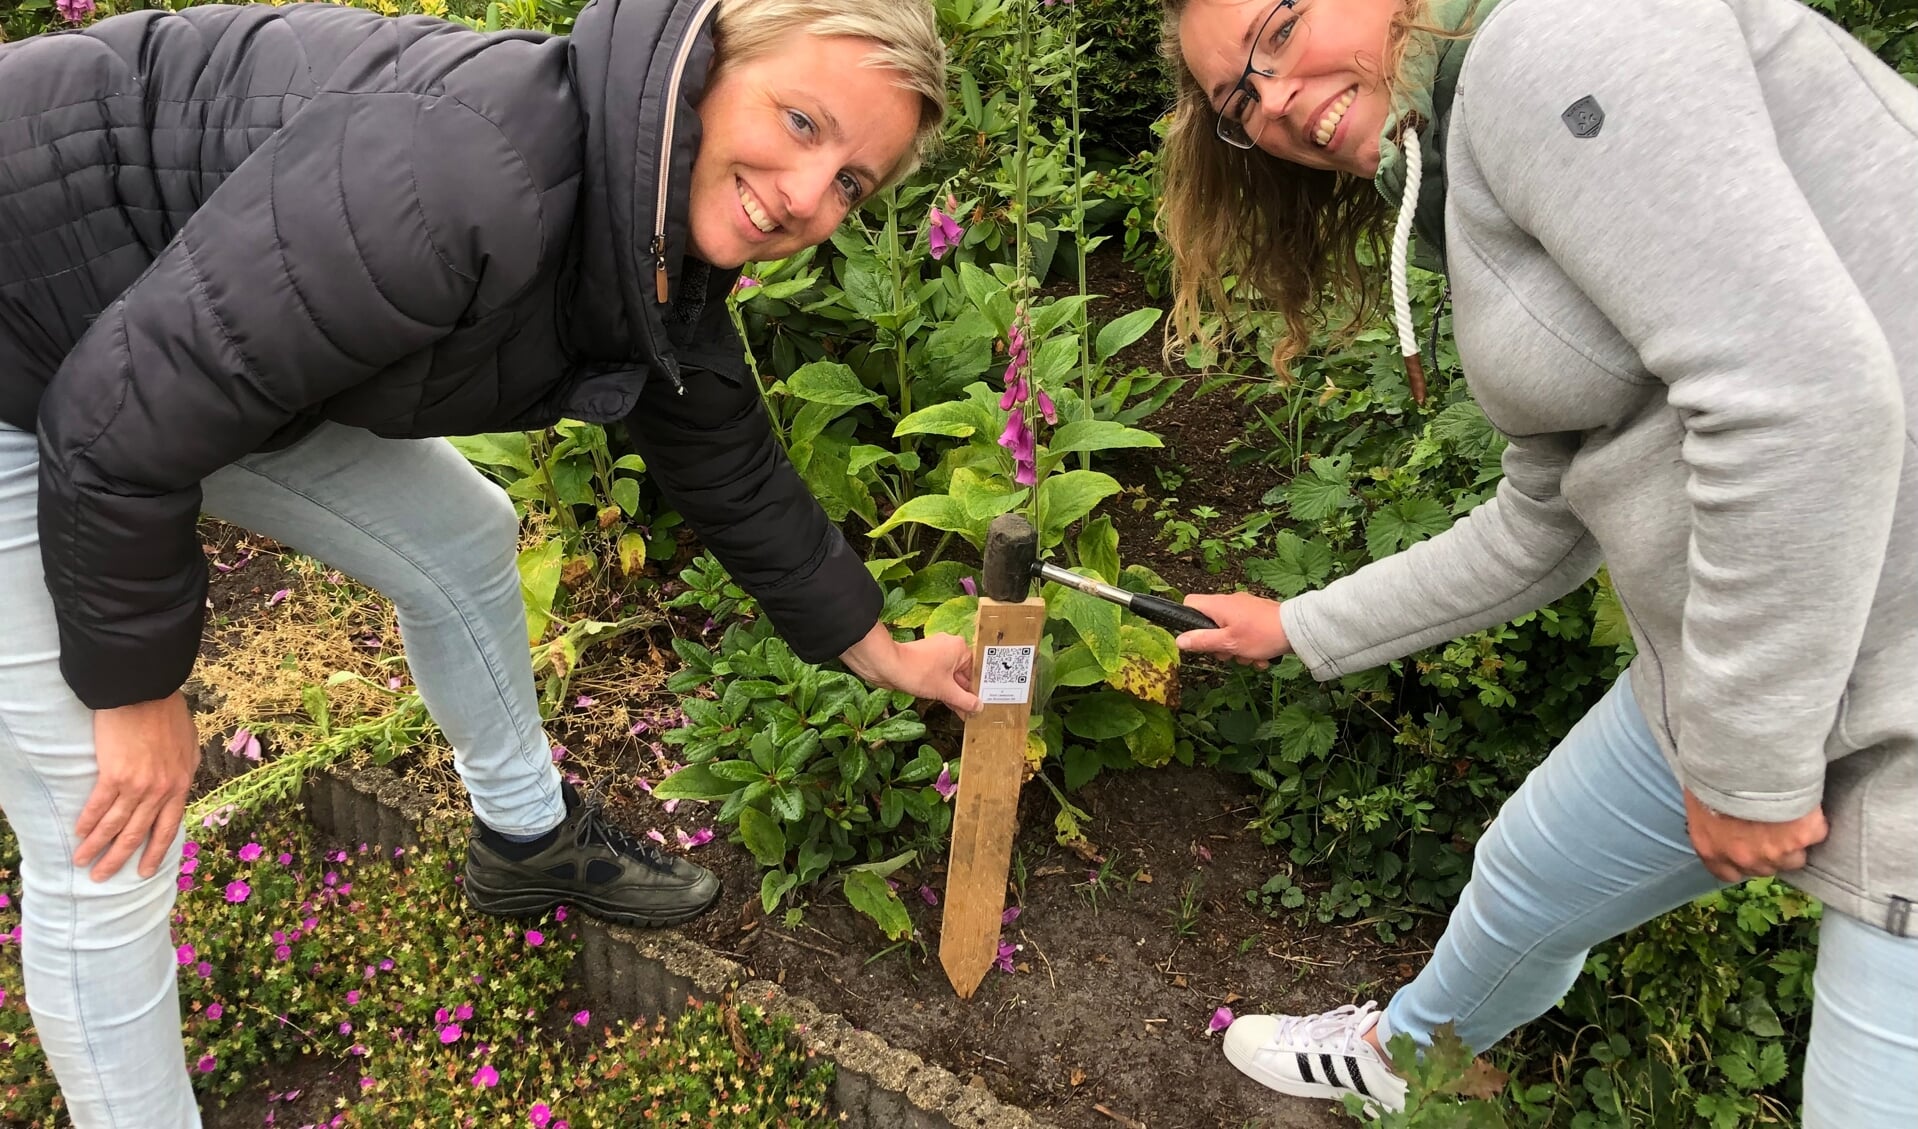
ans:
(992, 759)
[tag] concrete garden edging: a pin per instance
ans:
(652, 972)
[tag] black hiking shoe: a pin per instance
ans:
(588, 863)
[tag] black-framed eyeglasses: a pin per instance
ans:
(1272, 49)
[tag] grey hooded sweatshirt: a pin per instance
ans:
(1683, 243)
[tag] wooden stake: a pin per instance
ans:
(991, 767)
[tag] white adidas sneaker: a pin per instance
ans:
(1316, 1056)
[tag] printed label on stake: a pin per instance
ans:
(1007, 677)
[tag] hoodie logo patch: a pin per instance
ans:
(1584, 117)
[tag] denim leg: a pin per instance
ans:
(413, 520)
(1592, 844)
(97, 957)
(1861, 1070)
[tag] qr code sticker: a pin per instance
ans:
(1007, 677)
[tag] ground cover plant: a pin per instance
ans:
(360, 969)
(946, 359)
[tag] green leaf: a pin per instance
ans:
(1096, 621)
(960, 419)
(1077, 666)
(956, 616)
(773, 888)
(900, 727)
(870, 895)
(500, 449)
(885, 868)
(694, 782)
(1610, 627)
(737, 771)
(866, 455)
(940, 511)
(1106, 714)
(632, 552)
(1081, 764)
(1099, 549)
(539, 572)
(1404, 523)
(1065, 498)
(1095, 435)
(789, 805)
(1123, 331)
(922, 767)
(829, 382)
(1153, 743)
(1056, 314)
(1322, 491)
(1304, 733)
(763, 836)
(1295, 565)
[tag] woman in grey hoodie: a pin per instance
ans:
(1680, 237)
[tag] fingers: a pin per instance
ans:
(136, 832)
(1211, 642)
(165, 826)
(105, 815)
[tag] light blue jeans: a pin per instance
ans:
(411, 519)
(1593, 844)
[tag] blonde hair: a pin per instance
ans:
(905, 35)
(1289, 233)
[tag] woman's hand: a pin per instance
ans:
(1249, 629)
(1736, 849)
(147, 753)
(937, 667)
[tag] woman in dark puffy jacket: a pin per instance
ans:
(251, 259)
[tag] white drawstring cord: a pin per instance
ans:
(1401, 242)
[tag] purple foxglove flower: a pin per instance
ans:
(1014, 436)
(1047, 409)
(1015, 392)
(968, 585)
(1006, 950)
(944, 785)
(943, 233)
(928, 895)
(1221, 1019)
(278, 597)
(244, 744)
(1010, 915)
(1025, 471)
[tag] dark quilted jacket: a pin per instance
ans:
(222, 226)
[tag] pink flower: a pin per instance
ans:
(463, 1012)
(1004, 960)
(395, 682)
(585, 703)
(206, 1064)
(944, 785)
(943, 233)
(450, 1033)
(698, 838)
(185, 955)
(1010, 915)
(654, 834)
(352, 996)
(283, 952)
(559, 753)
(969, 586)
(559, 914)
(191, 850)
(928, 895)
(284, 859)
(74, 11)
(746, 282)
(238, 891)
(535, 938)
(1221, 1019)
(541, 1116)
(1047, 409)
(214, 1010)
(486, 1078)
(278, 597)
(1015, 393)
(244, 744)
(582, 1018)
(250, 852)
(188, 866)
(204, 969)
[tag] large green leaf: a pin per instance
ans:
(956, 616)
(1323, 490)
(829, 382)
(498, 449)
(1153, 742)
(694, 782)
(1096, 621)
(539, 571)
(1065, 498)
(870, 895)
(1404, 523)
(1295, 565)
(1077, 666)
(1304, 733)
(1106, 714)
(1123, 331)
(763, 836)
(1099, 550)
(1055, 360)
(959, 419)
(940, 511)
(1095, 435)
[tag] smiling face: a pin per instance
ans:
(1326, 106)
(792, 141)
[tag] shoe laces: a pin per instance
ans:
(594, 827)
(1335, 1032)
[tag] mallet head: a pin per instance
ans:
(1012, 548)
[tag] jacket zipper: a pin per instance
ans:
(660, 282)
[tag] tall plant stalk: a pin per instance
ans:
(1079, 224)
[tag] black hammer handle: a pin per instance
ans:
(1171, 616)
(1165, 613)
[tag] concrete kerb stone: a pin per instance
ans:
(637, 972)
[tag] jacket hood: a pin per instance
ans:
(639, 67)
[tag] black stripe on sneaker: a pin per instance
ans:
(1305, 1068)
(1331, 1075)
(1352, 1065)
